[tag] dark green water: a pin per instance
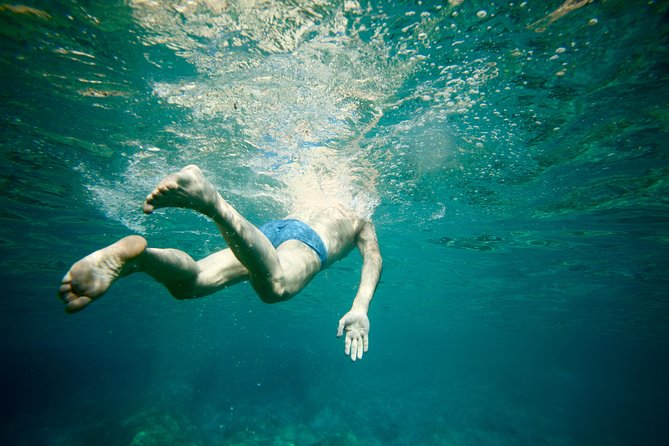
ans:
(516, 172)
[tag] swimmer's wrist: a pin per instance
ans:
(359, 305)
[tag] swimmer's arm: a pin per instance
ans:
(372, 265)
(356, 323)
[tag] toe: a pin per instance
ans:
(70, 297)
(148, 206)
(78, 304)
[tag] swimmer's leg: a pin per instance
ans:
(185, 278)
(272, 281)
(91, 277)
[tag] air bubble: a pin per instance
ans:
(481, 14)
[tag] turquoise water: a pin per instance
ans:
(513, 158)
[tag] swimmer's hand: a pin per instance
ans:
(356, 325)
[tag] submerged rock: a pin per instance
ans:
(155, 428)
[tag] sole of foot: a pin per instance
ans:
(91, 277)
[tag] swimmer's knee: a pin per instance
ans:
(270, 298)
(181, 292)
(273, 297)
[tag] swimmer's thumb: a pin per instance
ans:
(340, 328)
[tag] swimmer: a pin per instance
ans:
(279, 259)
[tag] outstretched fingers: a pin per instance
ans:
(347, 346)
(356, 341)
(355, 345)
(356, 349)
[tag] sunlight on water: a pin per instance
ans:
(318, 83)
(295, 100)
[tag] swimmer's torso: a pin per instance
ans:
(335, 224)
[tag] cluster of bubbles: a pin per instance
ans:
(363, 101)
(358, 94)
(290, 85)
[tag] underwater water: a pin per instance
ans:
(512, 155)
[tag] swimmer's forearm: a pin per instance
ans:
(371, 273)
(372, 265)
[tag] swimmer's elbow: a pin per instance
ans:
(373, 256)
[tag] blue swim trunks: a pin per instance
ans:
(279, 231)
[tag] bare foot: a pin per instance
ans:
(185, 189)
(92, 276)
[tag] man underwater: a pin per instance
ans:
(279, 259)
